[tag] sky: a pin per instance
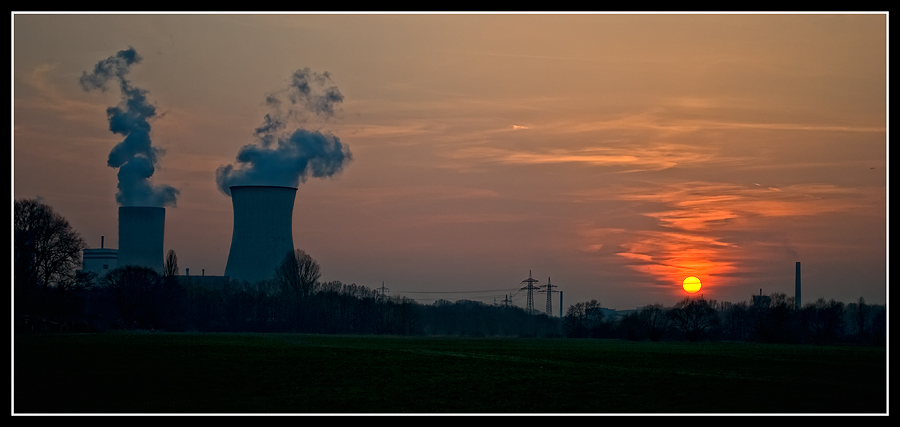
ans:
(612, 155)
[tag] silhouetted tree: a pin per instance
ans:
(46, 256)
(650, 322)
(581, 318)
(695, 318)
(171, 267)
(654, 322)
(298, 272)
(134, 290)
(47, 249)
(170, 297)
(859, 319)
(879, 326)
(736, 321)
(824, 321)
(773, 318)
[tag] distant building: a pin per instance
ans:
(761, 300)
(601, 312)
(215, 282)
(211, 282)
(99, 261)
(623, 313)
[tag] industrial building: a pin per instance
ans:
(99, 261)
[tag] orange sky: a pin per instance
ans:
(616, 154)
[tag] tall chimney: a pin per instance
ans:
(560, 304)
(797, 287)
(262, 234)
(141, 232)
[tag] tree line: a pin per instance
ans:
(770, 319)
(50, 293)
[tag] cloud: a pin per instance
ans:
(651, 157)
(709, 229)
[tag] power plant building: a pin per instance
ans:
(262, 235)
(99, 261)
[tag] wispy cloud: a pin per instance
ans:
(700, 205)
(649, 157)
(707, 229)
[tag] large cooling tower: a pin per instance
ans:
(141, 231)
(262, 231)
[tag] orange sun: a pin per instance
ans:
(691, 285)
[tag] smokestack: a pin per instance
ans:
(141, 232)
(101, 242)
(262, 231)
(797, 287)
(560, 304)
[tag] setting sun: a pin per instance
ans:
(691, 285)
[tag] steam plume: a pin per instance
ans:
(135, 157)
(289, 158)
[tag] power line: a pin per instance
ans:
(457, 292)
(492, 294)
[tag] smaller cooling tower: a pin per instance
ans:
(262, 234)
(141, 231)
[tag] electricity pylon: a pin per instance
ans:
(549, 292)
(529, 303)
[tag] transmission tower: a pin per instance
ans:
(549, 292)
(529, 303)
(383, 289)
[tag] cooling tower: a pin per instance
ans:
(141, 231)
(262, 231)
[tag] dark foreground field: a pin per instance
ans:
(291, 373)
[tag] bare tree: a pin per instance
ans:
(298, 272)
(694, 318)
(654, 321)
(171, 267)
(736, 321)
(47, 249)
(860, 319)
(824, 320)
(773, 318)
(582, 318)
(134, 290)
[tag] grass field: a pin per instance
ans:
(151, 372)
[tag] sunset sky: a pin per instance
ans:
(615, 154)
